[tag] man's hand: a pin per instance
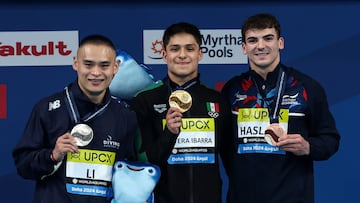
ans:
(64, 144)
(294, 143)
(173, 120)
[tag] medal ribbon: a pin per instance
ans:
(280, 88)
(186, 86)
(74, 113)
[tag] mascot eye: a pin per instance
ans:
(120, 165)
(150, 171)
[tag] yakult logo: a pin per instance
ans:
(51, 48)
(38, 48)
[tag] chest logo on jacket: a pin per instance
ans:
(160, 108)
(54, 105)
(213, 109)
(290, 99)
(110, 143)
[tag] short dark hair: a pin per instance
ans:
(97, 40)
(181, 27)
(260, 21)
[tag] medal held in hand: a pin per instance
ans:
(180, 99)
(273, 132)
(83, 134)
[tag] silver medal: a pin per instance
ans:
(83, 134)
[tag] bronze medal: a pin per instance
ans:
(273, 132)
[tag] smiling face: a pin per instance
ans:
(134, 181)
(182, 55)
(262, 46)
(96, 66)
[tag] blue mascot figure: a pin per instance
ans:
(132, 182)
(131, 78)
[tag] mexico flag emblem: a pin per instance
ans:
(213, 109)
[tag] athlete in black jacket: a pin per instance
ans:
(185, 145)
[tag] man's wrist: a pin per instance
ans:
(53, 158)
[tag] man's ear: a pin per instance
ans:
(117, 66)
(201, 54)
(281, 43)
(164, 55)
(75, 63)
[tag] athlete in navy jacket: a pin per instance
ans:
(292, 102)
(65, 169)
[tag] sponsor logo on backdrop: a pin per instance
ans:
(220, 46)
(38, 48)
(3, 98)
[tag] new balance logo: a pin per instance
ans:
(54, 105)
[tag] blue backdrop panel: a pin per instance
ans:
(321, 39)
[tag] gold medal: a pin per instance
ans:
(83, 134)
(180, 99)
(273, 132)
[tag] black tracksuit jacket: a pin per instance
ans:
(191, 182)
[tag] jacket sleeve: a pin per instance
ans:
(227, 148)
(132, 134)
(32, 153)
(324, 138)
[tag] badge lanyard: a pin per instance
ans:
(74, 113)
(184, 86)
(280, 88)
